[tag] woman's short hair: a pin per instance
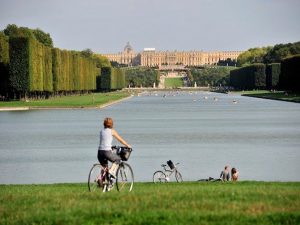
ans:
(108, 123)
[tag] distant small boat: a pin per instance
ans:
(234, 101)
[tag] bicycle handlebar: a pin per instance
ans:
(115, 147)
(164, 165)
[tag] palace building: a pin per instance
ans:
(150, 57)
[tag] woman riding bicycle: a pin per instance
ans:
(105, 153)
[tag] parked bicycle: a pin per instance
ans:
(161, 177)
(100, 178)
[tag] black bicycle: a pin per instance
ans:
(100, 178)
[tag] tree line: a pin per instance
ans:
(210, 76)
(268, 54)
(141, 76)
(275, 67)
(283, 75)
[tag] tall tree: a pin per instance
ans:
(43, 37)
(102, 61)
(252, 55)
(281, 51)
(13, 30)
(88, 53)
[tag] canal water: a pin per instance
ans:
(202, 131)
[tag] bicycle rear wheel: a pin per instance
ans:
(159, 177)
(94, 180)
(124, 179)
(178, 176)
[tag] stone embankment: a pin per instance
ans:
(13, 108)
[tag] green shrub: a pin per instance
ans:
(289, 78)
(112, 78)
(106, 78)
(118, 80)
(19, 68)
(137, 77)
(48, 75)
(31, 65)
(72, 72)
(249, 77)
(38, 69)
(215, 76)
(272, 75)
(4, 65)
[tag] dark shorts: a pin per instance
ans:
(105, 156)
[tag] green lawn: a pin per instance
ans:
(148, 203)
(173, 82)
(278, 95)
(77, 101)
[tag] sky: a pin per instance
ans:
(105, 26)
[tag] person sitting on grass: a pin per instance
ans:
(225, 174)
(234, 174)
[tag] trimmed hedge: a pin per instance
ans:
(4, 49)
(112, 78)
(289, 78)
(30, 66)
(40, 67)
(37, 68)
(19, 64)
(72, 72)
(249, 77)
(272, 75)
(4, 65)
(118, 81)
(105, 78)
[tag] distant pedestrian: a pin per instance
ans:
(234, 174)
(225, 174)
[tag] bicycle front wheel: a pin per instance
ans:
(124, 179)
(178, 176)
(94, 180)
(159, 177)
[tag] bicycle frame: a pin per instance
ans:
(164, 176)
(99, 177)
(169, 172)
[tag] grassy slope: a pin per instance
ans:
(173, 82)
(88, 100)
(185, 203)
(278, 95)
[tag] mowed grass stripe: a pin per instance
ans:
(77, 101)
(171, 203)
